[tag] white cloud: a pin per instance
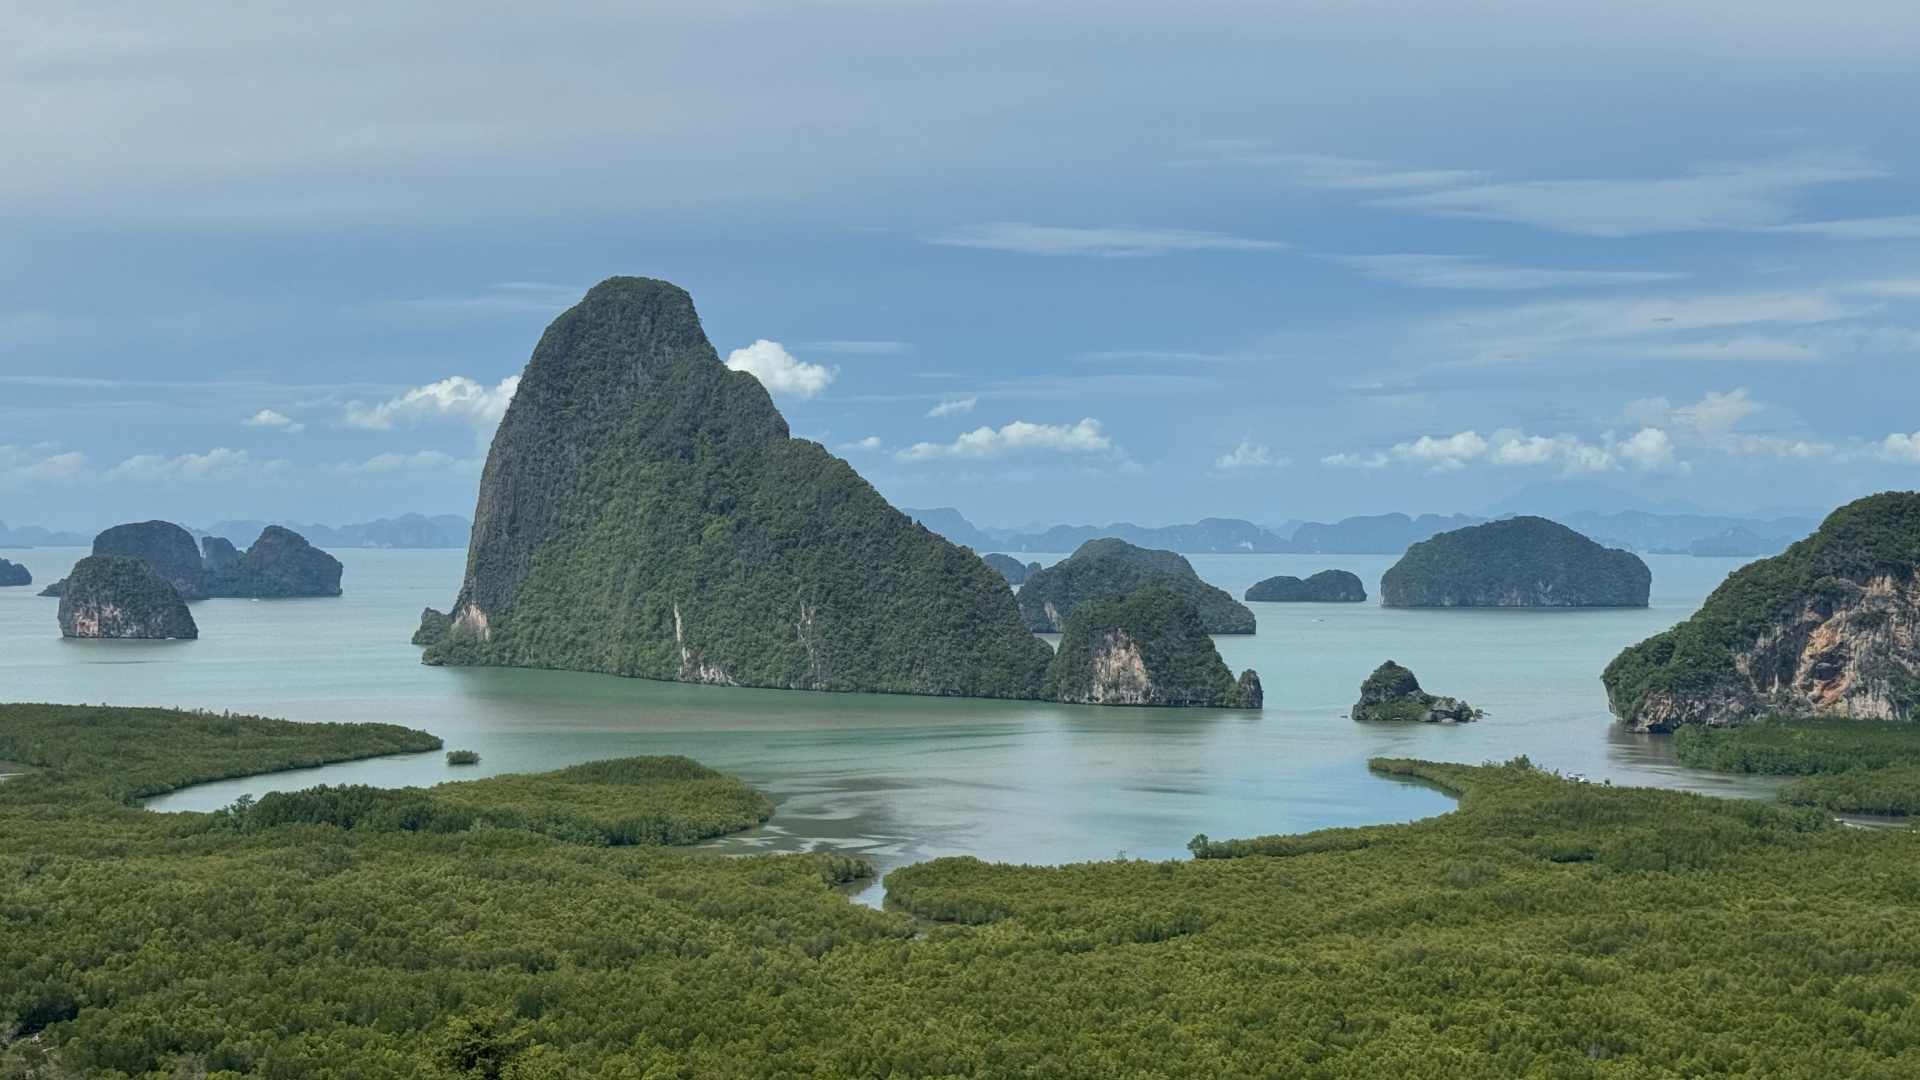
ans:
(1116, 241)
(954, 406)
(870, 444)
(218, 465)
(1748, 195)
(1898, 227)
(1248, 455)
(1712, 421)
(23, 467)
(779, 372)
(1018, 437)
(1899, 448)
(270, 419)
(1513, 448)
(1475, 272)
(458, 398)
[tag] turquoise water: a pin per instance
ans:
(899, 779)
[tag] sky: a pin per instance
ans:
(1041, 261)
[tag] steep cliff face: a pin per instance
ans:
(1325, 587)
(1146, 648)
(114, 596)
(645, 512)
(1518, 562)
(1830, 627)
(1392, 693)
(12, 574)
(166, 547)
(278, 565)
(1110, 568)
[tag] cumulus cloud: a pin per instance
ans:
(23, 467)
(1018, 437)
(267, 418)
(1712, 421)
(1248, 455)
(954, 406)
(1513, 448)
(219, 465)
(1899, 448)
(779, 371)
(456, 398)
(1114, 241)
(870, 444)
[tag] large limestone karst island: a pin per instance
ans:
(1146, 648)
(119, 596)
(1110, 568)
(1518, 562)
(1830, 627)
(645, 512)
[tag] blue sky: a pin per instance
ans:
(1041, 262)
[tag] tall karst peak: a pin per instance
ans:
(645, 512)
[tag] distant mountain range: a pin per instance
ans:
(405, 531)
(1388, 534)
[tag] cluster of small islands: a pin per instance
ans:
(644, 512)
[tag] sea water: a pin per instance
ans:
(900, 779)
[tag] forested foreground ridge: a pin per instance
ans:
(645, 512)
(1546, 928)
(1830, 627)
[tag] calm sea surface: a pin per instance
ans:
(900, 779)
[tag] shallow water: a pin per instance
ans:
(900, 779)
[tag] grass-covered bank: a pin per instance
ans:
(1546, 928)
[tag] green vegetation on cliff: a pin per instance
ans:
(1109, 568)
(1545, 928)
(1015, 571)
(1145, 648)
(115, 596)
(1518, 562)
(162, 545)
(1689, 673)
(645, 512)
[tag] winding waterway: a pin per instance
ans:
(900, 779)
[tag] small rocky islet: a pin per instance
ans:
(1392, 693)
(12, 574)
(1515, 562)
(1325, 587)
